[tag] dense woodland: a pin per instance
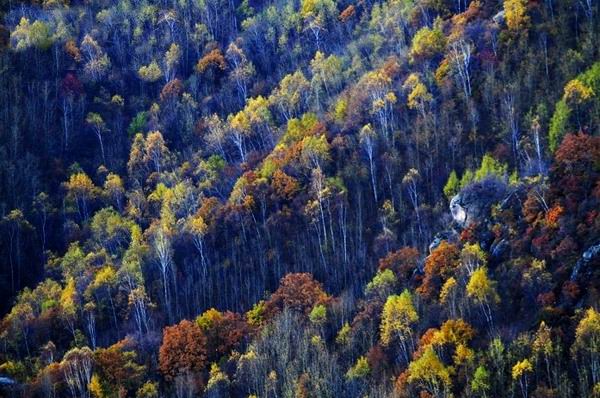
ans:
(226, 198)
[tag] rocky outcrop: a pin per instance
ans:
(7, 381)
(9, 387)
(499, 18)
(448, 236)
(500, 250)
(473, 203)
(458, 210)
(590, 255)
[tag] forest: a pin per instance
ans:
(299, 198)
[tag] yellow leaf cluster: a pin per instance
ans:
(516, 14)
(521, 368)
(481, 288)
(398, 315)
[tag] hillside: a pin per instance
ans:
(312, 198)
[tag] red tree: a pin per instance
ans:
(403, 262)
(439, 266)
(298, 292)
(224, 331)
(183, 350)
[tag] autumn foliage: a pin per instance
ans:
(440, 265)
(297, 292)
(183, 350)
(312, 198)
(213, 59)
(224, 331)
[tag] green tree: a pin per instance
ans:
(467, 178)
(490, 167)
(382, 283)
(360, 370)
(343, 336)
(27, 35)
(481, 382)
(318, 315)
(427, 43)
(110, 230)
(452, 185)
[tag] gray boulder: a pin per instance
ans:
(473, 203)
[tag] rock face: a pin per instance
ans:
(499, 18)
(499, 249)
(459, 213)
(9, 387)
(449, 235)
(590, 255)
(474, 202)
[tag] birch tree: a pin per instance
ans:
(368, 139)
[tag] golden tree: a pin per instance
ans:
(482, 290)
(586, 348)
(429, 372)
(516, 14)
(520, 372)
(399, 314)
